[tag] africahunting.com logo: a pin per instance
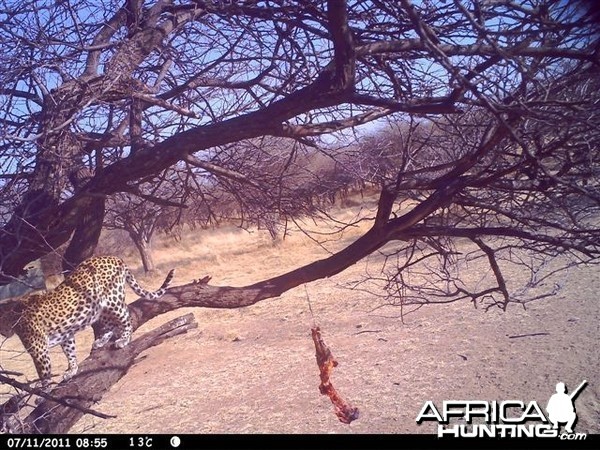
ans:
(509, 418)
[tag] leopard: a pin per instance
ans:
(92, 294)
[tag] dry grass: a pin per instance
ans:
(253, 369)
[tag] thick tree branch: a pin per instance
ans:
(220, 171)
(344, 54)
(412, 46)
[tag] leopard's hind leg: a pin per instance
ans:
(68, 347)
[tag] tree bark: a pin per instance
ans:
(86, 235)
(145, 249)
(142, 239)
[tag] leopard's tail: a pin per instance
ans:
(148, 295)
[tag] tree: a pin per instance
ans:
(100, 98)
(150, 207)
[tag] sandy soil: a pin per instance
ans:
(253, 370)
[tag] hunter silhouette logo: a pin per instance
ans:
(507, 418)
(561, 408)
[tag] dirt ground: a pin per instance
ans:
(253, 370)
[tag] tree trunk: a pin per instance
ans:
(87, 233)
(144, 246)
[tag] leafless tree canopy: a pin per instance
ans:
(491, 151)
(494, 104)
